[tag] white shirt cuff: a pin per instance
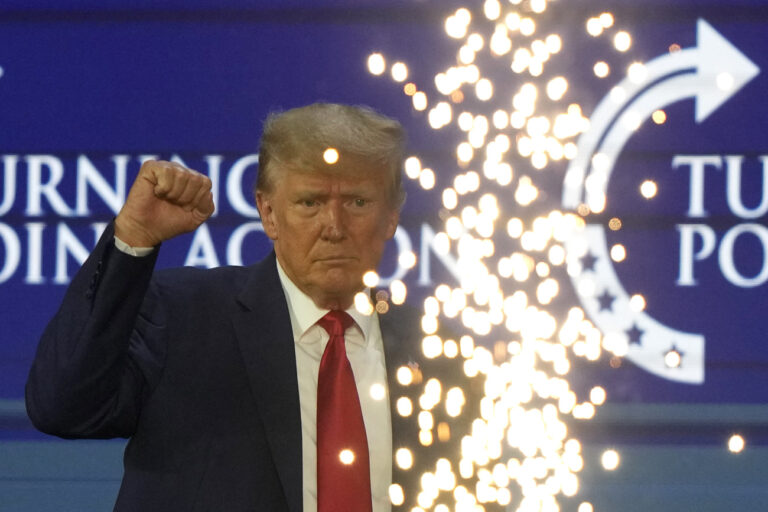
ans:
(133, 251)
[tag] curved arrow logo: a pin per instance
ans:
(711, 72)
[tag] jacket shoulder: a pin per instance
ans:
(201, 283)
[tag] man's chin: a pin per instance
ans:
(340, 283)
(335, 297)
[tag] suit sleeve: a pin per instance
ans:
(102, 352)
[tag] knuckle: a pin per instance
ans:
(201, 181)
(152, 167)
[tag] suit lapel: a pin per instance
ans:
(263, 328)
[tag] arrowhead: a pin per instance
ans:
(722, 71)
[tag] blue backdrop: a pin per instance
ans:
(88, 89)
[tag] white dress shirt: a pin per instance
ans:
(365, 352)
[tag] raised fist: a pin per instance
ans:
(166, 200)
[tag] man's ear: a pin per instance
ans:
(394, 218)
(267, 213)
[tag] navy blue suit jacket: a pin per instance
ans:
(197, 368)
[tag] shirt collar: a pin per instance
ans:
(305, 313)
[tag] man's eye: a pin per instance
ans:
(360, 202)
(309, 203)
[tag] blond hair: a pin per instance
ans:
(295, 140)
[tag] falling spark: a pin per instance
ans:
(649, 189)
(331, 156)
(610, 459)
(736, 443)
(376, 64)
(347, 456)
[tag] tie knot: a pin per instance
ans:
(336, 322)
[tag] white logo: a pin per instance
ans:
(711, 72)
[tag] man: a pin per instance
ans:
(198, 367)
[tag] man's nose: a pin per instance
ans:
(333, 221)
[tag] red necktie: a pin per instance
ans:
(343, 475)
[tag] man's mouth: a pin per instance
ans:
(335, 259)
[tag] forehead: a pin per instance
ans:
(349, 172)
(324, 182)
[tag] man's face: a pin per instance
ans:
(329, 229)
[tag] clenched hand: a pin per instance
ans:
(166, 200)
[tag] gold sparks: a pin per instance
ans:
(517, 450)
